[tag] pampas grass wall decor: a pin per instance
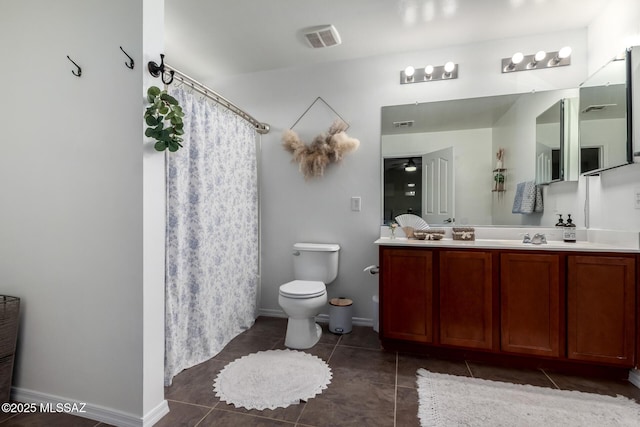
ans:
(325, 149)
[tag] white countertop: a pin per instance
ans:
(582, 246)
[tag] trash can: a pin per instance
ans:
(340, 313)
(9, 314)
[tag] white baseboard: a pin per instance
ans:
(321, 318)
(99, 413)
(154, 415)
(634, 377)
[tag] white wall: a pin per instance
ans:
(616, 28)
(473, 157)
(318, 210)
(153, 208)
(71, 223)
(612, 194)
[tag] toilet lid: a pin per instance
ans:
(302, 289)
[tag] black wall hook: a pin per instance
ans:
(79, 73)
(158, 70)
(130, 63)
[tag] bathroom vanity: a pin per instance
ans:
(560, 304)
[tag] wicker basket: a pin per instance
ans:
(463, 233)
(9, 315)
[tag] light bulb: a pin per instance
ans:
(449, 67)
(428, 70)
(540, 55)
(409, 71)
(517, 58)
(564, 52)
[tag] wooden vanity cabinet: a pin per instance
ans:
(406, 293)
(560, 307)
(601, 308)
(467, 298)
(532, 304)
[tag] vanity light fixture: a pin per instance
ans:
(410, 166)
(429, 73)
(537, 61)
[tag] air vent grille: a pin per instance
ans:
(324, 36)
(405, 124)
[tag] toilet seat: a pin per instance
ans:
(302, 289)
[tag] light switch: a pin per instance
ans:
(637, 197)
(356, 203)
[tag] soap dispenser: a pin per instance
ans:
(569, 232)
(560, 222)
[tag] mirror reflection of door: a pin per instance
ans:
(590, 158)
(438, 186)
(402, 187)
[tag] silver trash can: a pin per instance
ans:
(340, 314)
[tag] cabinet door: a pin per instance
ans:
(466, 299)
(530, 308)
(600, 309)
(406, 294)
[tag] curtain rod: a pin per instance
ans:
(261, 128)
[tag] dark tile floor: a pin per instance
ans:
(370, 386)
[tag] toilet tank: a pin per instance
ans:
(316, 261)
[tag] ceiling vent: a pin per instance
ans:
(404, 124)
(324, 36)
(597, 107)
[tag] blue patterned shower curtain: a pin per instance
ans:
(212, 243)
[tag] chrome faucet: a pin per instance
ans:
(526, 238)
(538, 239)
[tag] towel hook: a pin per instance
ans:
(158, 70)
(129, 64)
(79, 73)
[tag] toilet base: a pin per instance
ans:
(302, 333)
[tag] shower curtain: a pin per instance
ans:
(212, 252)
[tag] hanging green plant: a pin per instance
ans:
(164, 120)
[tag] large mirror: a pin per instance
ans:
(453, 145)
(605, 119)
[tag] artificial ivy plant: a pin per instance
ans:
(164, 120)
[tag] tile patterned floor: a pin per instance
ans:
(370, 386)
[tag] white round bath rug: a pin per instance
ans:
(272, 379)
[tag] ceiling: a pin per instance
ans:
(209, 39)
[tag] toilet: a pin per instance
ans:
(314, 265)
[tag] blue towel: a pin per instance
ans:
(528, 198)
(517, 201)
